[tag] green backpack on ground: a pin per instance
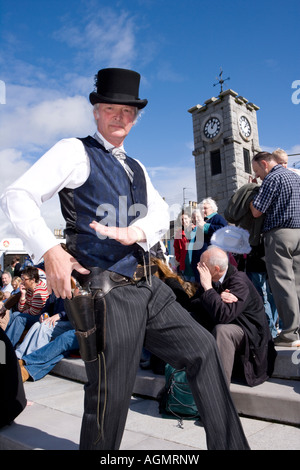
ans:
(176, 399)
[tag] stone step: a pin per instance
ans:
(287, 366)
(278, 399)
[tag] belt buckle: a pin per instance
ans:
(137, 277)
(143, 274)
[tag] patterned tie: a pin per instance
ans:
(120, 155)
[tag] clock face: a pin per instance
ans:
(212, 128)
(245, 127)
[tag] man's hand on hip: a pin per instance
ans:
(59, 265)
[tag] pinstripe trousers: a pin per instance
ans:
(143, 314)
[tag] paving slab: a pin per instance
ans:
(52, 421)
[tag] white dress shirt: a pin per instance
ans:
(8, 288)
(66, 165)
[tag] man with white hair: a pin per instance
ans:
(229, 306)
(6, 282)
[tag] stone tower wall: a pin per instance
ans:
(230, 142)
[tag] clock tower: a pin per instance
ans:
(225, 140)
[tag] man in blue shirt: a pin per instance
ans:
(279, 200)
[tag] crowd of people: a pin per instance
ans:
(196, 229)
(236, 310)
(240, 311)
(269, 212)
(240, 322)
(35, 323)
(43, 317)
(123, 305)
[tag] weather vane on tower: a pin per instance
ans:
(220, 79)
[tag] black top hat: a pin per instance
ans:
(118, 86)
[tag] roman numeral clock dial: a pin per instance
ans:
(245, 128)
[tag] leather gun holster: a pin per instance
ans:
(87, 310)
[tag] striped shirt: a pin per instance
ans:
(34, 299)
(279, 199)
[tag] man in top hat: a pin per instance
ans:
(113, 216)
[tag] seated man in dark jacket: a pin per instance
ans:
(239, 322)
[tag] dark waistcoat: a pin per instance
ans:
(109, 196)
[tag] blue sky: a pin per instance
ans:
(50, 52)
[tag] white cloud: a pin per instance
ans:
(13, 165)
(293, 152)
(50, 212)
(108, 38)
(43, 123)
(33, 127)
(294, 149)
(170, 183)
(294, 158)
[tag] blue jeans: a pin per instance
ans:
(41, 334)
(17, 323)
(261, 283)
(42, 361)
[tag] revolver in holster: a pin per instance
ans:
(87, 309)
(87, 315)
